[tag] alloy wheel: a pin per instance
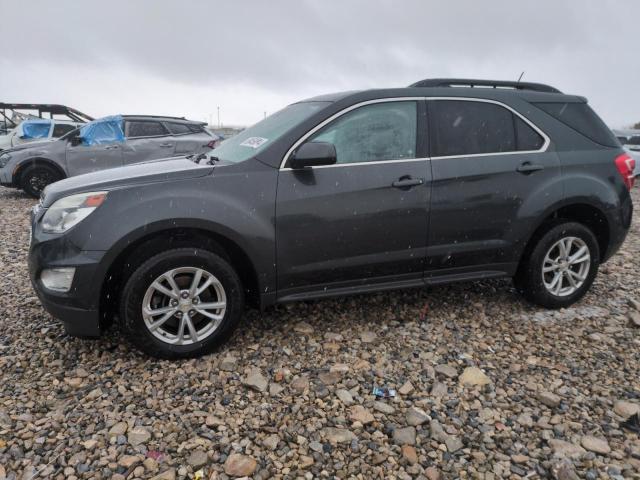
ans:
(184, 306)
(566, 266)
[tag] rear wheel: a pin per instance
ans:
(561, 266)
(35, 178)
(181, 303)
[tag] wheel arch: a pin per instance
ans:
(143, 247)
(582, 212)
(19, 170)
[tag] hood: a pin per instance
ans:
(36, 146)
(164, 170)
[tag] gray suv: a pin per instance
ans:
(101, 144)
(336, 195)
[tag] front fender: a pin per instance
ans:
(224, 206)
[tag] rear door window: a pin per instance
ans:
(462, 127)
(145, 129)
(527, 138)
(469, 127)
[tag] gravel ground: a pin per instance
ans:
(487, 386)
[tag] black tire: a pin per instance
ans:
(529, 279)
(35, 178)
(133, 294)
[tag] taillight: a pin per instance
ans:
(626, 165)
(212, 144)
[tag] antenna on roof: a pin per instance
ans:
(520, 77)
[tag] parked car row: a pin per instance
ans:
(443, 181)
(105, 143)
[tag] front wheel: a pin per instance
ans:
(181, 303)
(35, 178)
(561, 266)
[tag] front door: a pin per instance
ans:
(363, 220)
(82, 158)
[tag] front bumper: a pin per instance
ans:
(6, 177)
(79, 308)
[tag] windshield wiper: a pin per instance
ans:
(201, 156)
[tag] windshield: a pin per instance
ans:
(256, 138)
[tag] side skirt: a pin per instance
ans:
(392, 285)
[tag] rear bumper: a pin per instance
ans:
(619, 224)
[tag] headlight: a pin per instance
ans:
(4, 159)
(69, 211)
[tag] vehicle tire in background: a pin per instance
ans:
(35, 178)
(560, 267)
(181, 303)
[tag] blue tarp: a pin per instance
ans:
(103, 130)
(35, 128)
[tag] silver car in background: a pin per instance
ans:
(34, 130)
(105, 143)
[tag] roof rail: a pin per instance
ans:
(468, 82)
(157, 116)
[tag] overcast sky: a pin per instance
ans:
(186, 58)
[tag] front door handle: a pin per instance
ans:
(166, 145)
(407, 182)
(528, 167)
(111, 147)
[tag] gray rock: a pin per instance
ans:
(339, 435)
(446, 370)
(549, 399)
(256, 381)
(138, 435)
(416, 416)
(344, 396)
(595, 444)
(197, 459)
(404, 436)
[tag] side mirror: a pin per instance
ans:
(75, 140)
(313, 154)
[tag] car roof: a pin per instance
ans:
(459, 87)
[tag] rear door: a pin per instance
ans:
(147, 140)
(189, 138)
(362, 221)
(491, 175)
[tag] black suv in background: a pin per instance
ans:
(446, 180)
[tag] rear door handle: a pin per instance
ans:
(407, 182)
(528, 167)
(166, 145)
(111, 147)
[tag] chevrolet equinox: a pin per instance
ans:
(443, 181)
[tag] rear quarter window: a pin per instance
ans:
(178, 128)
(581, 118)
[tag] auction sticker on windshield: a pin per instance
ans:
(254, 142)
